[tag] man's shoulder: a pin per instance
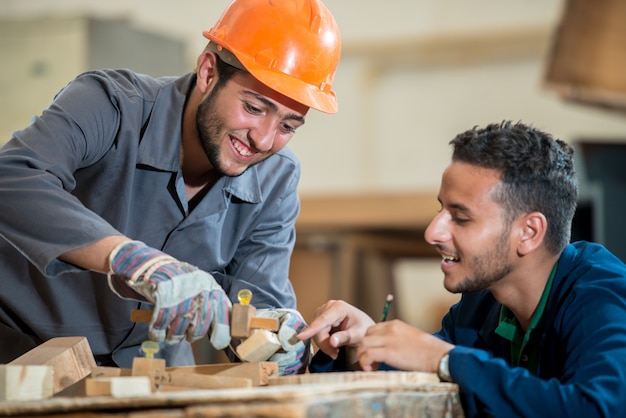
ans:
(584, 253)
(125, 81)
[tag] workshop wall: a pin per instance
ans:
(397, 114)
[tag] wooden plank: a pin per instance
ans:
(102, 371)
(392, 377)
(118, 386)
(70, 358)
(270, 324)
(367, 211)
(25, 382)
(199, 381)
(258, 372)
(156, 371)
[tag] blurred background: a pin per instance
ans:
(413, 74)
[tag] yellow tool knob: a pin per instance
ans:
(244, 296)
(150, 348)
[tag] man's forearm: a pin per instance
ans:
(95, 256)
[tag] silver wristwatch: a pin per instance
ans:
(444, 370)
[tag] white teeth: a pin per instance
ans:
(448, 258)
(241, 151)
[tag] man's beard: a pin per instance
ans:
(209, 126)
(489, 267)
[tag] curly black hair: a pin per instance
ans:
(537, 173)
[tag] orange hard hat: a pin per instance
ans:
(291, 46)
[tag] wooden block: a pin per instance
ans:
(240, 320)
(243, 321)
(199, 381)
(258, 372)
(119, 387)
(270, 324)
(25, 382)
(70, 358)
(151, 367)
(78, 389)
(141, 315)
(259, 346)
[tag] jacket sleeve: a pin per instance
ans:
(37, 167)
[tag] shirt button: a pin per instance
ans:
(524, 358)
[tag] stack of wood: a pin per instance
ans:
(66, 366)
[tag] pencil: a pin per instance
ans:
(386, 308)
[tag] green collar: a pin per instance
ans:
(524, 348)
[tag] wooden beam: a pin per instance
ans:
(399, 211)
(70, 358)
(181, 379)
(25, 382)
(258, 372)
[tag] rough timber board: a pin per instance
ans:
(259, 372)
(372, 399)
(183, 380)
(70, 357)
(392, 377)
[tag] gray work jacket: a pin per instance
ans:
(103, 159)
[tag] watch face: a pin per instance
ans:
(444, 371)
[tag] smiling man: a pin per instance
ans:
(540, 329)
(175, 193)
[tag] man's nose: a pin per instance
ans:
(263, 135)
(437, 231)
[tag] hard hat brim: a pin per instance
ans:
(294, 88)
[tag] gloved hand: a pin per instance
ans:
(187, 301)
(294, 355)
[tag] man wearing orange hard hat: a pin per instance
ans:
(168, 194)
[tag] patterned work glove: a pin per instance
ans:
(294, 355)
(187, 301)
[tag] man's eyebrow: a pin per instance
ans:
(456, 206)
(273, 106)
(460, 207)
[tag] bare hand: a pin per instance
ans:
(402, 346)
(336, 324)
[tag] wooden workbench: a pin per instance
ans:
(362, 397)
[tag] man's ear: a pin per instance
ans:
(206, 70)
(534, 226)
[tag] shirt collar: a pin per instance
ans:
(163, 128)
(509, 327)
